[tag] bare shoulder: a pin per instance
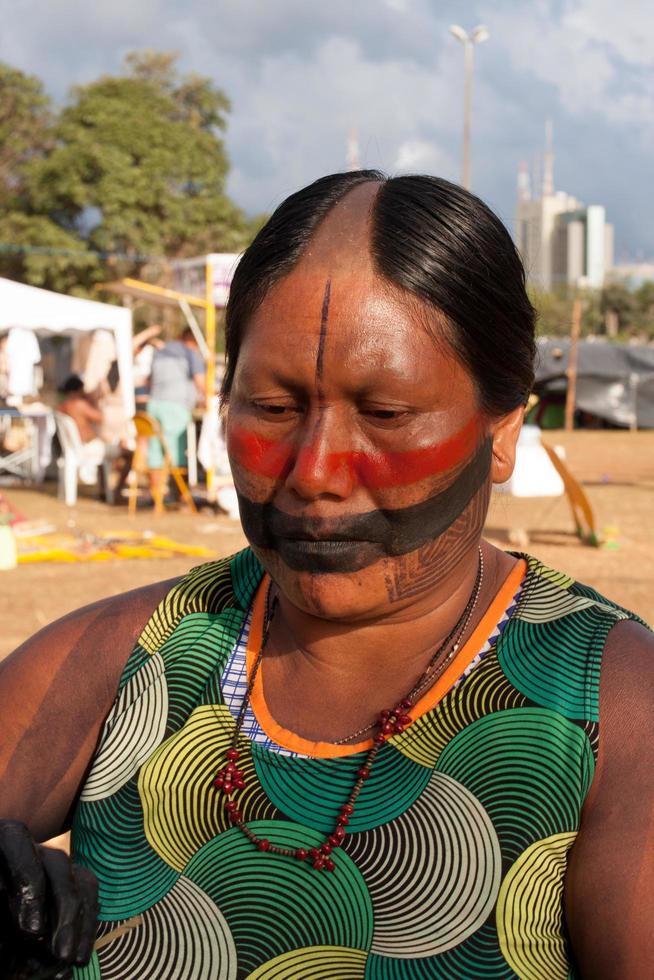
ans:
(56, 690)
(107, 629)
(627, 679)
(610, 882)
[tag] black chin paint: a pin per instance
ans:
(347, 544)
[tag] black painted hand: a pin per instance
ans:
(48, 908)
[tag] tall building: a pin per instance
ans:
(561, 241)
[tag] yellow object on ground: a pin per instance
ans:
(103, 547)
(147, 427)
(582, 512)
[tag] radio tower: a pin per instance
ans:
(353, 158)
(524, 183)
(548, 161)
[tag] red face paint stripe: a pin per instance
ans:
(401, 468)
(273, 459)
(264, 457)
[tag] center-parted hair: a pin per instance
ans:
(431, 238)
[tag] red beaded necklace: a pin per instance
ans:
(392, 721)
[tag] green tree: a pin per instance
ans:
(25, 129)
(134, 164)
(630, 311)
(554, 311)
(33, 247)
(644, 314)
(141, 154)
(592, 313)
(617, 299)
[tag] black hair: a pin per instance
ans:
(431, 238)
(71, 384)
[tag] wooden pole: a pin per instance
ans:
(571, 395)
(210, 327)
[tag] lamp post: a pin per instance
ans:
(479, 34)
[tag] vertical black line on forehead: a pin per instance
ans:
(324, 317)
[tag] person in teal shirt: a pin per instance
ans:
(177, 382)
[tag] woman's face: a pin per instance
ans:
(360, 456)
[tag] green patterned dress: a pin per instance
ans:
(453, 862)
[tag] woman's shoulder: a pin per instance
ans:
(147, 615)
(94, 641)
(100, 637)
(622, 642)
(222, 588)
(58, 688)
(559, 637)
(552, 594)
(621, 639)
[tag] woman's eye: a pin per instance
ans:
(274, 408)
(385, 414)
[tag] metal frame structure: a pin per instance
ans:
(186, 302)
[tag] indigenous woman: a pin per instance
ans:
(371, 745)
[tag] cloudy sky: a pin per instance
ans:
(301, 73)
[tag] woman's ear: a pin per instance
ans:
(505, 432)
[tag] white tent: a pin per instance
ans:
(46, 312)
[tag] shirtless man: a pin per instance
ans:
(81, 408)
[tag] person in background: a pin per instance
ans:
(145, 344)
(102, 381)
(177, 380)
(82, 408)
(102, 384)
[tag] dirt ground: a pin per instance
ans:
(616, 469)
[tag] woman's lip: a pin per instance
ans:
(321, 543)
(315, 539)
(327, 554)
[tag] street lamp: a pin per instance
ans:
(468, 41)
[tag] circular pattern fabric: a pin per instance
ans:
(453, 862)
(187, 925)
(182, 770)
(292, 906)
(133, 730)
(445, 849)
(312, 791)
(315, 963)
(530, 911)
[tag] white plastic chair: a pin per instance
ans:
(75, 456)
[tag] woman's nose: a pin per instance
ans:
(322, 464)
